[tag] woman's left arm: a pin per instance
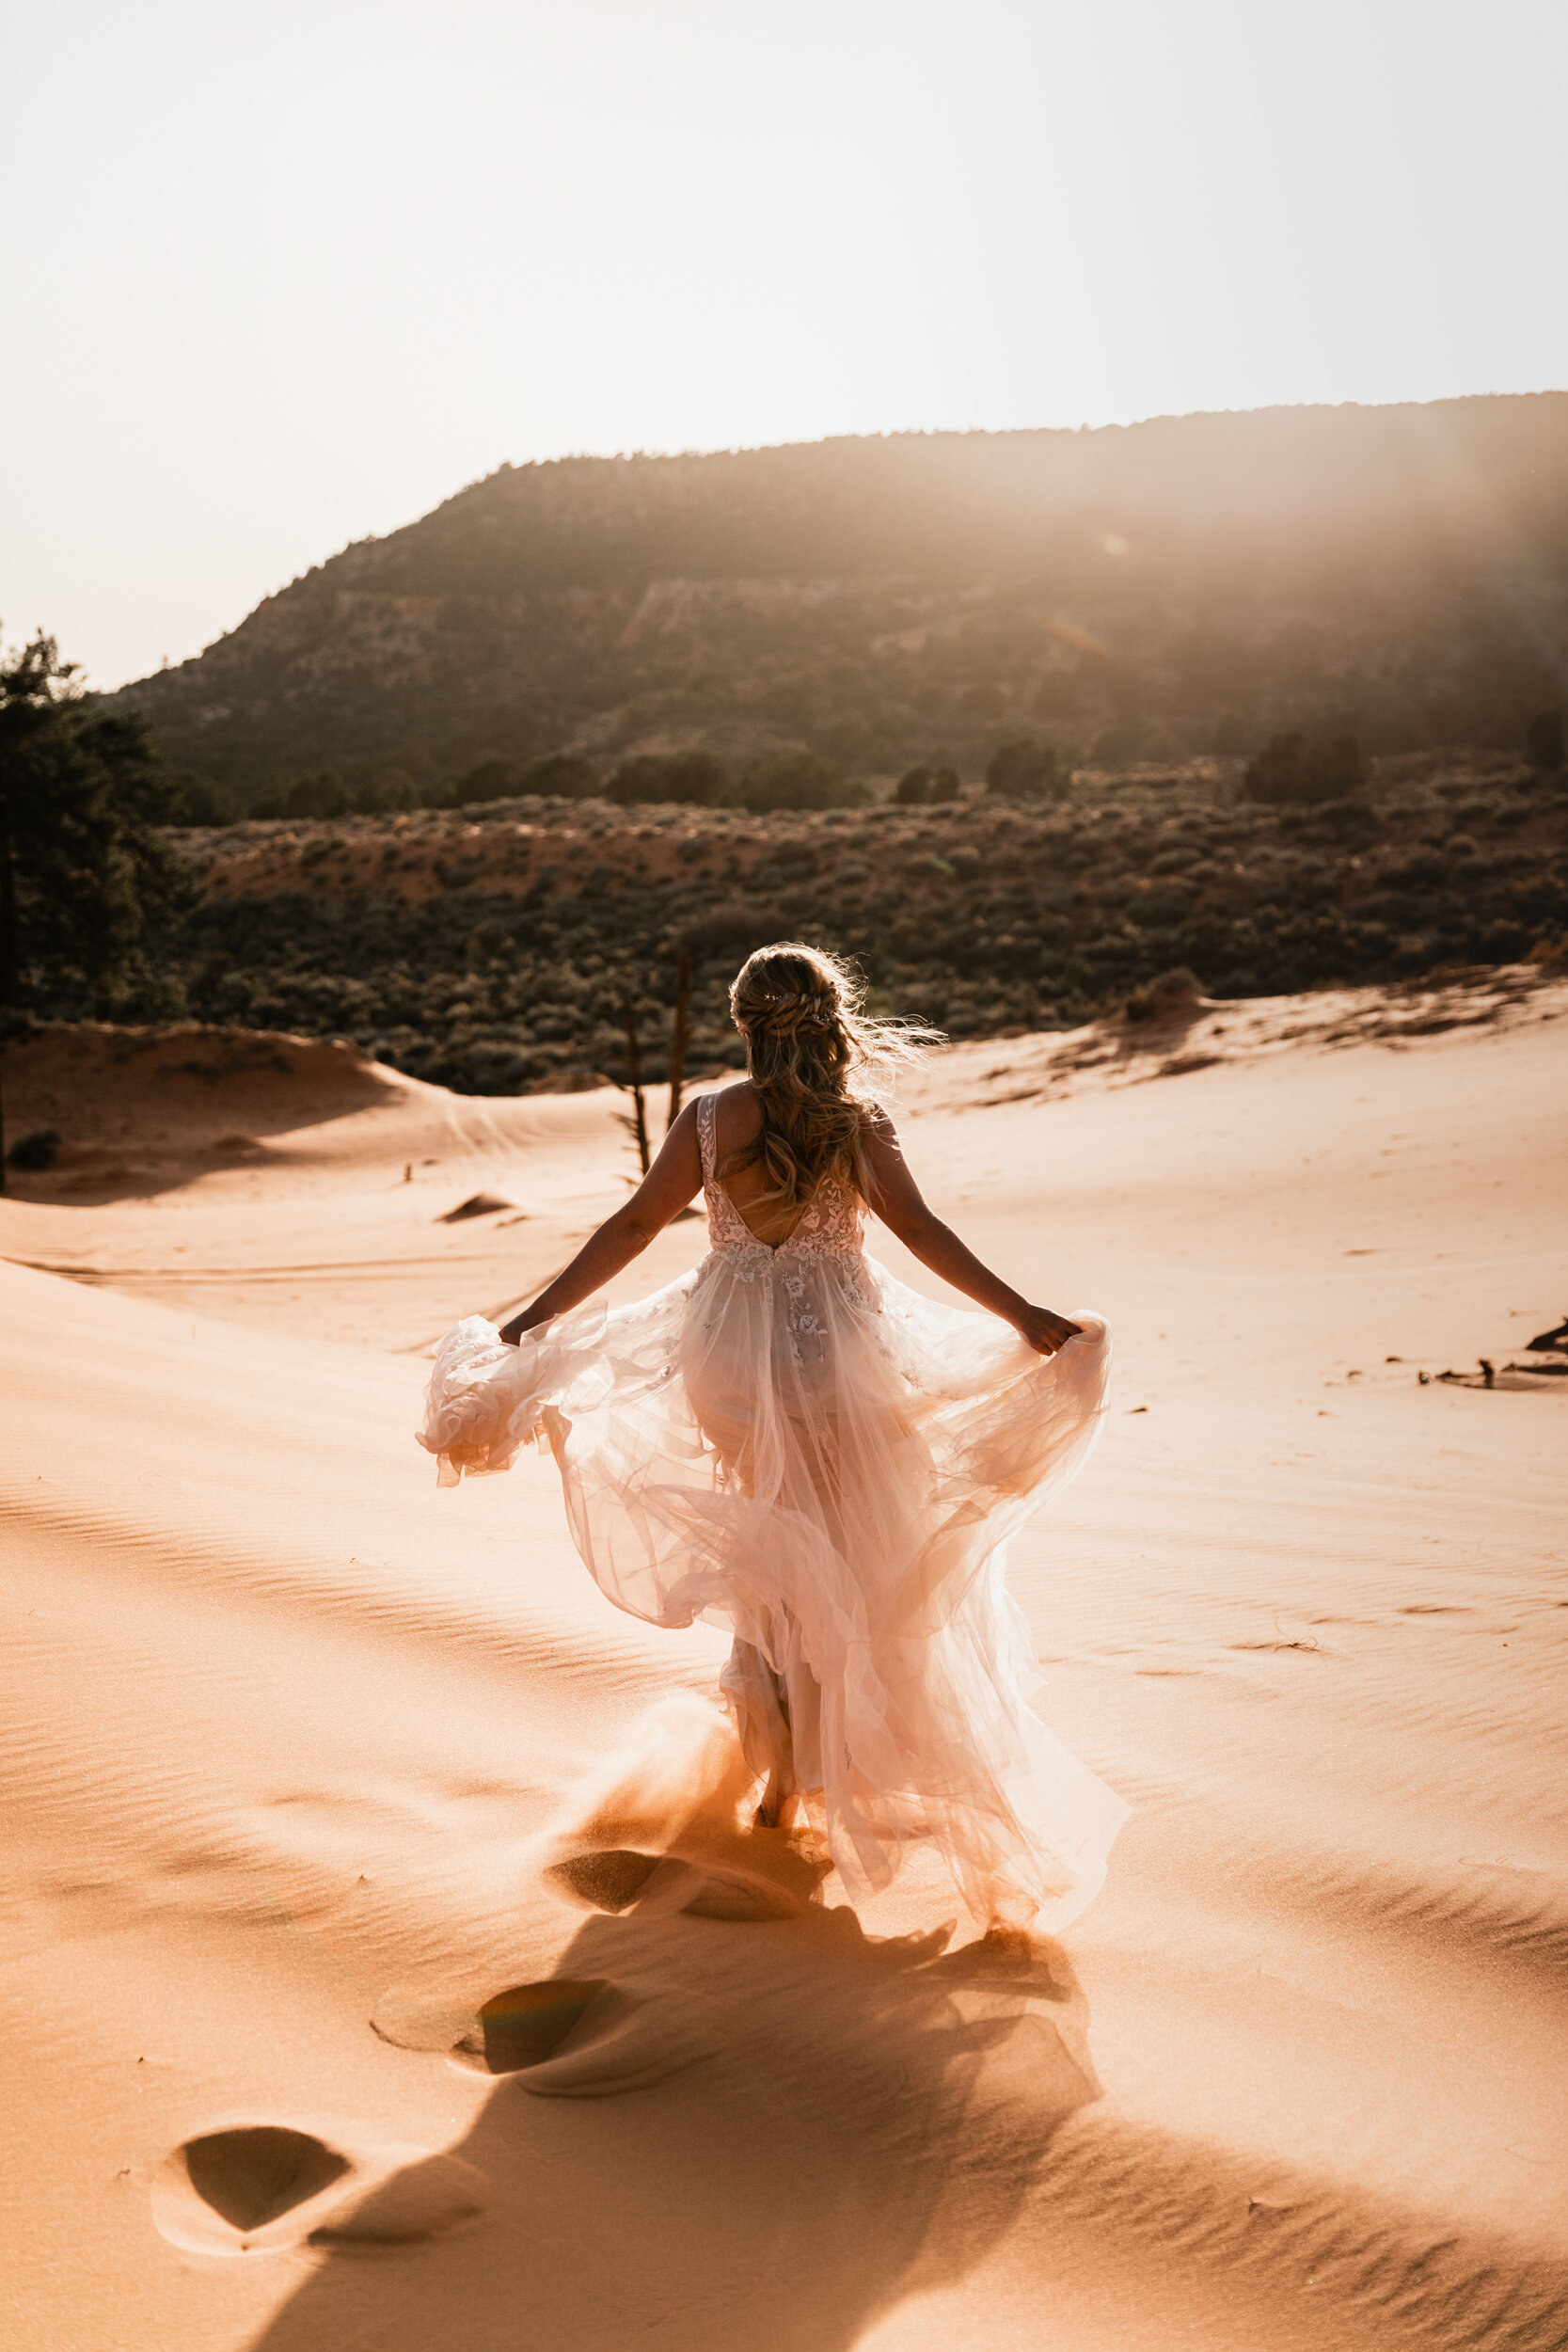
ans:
(898, 1202)
(670, 1184)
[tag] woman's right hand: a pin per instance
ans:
(1046, 1332)
(527, 1319)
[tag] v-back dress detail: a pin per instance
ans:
(791, 1444)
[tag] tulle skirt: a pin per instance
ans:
(805, 1451)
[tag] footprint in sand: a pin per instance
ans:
(561, 2037)
(261, 2188)
(527, 2023)
(255, 2175)
(614, 1879)
(512, 2032)
(587, 2038)
(610, 1880)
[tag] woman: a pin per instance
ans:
(791, 1444)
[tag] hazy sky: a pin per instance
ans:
(282, 276)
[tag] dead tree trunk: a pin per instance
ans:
(634, 1083)
(679, 1035)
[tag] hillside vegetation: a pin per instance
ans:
(497, 950)
(1182, 588)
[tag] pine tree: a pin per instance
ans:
(85, 866)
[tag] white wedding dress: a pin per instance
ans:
(790, 1444)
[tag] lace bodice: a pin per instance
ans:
(829, 1225)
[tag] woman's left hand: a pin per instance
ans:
(1045, 1332)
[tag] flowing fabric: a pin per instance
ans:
(790, 1444)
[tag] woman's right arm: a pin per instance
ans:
(676, 1175)
(898, 1202)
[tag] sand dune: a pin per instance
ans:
(366, 1926)
(273, 1180)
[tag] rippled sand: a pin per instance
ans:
(372, 1977)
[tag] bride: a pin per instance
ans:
(789, 1443)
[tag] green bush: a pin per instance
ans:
(802, 781)
(922, 787)
(1292, 770)
(392, 789)
(203, 803)
(695, 777)
(1025, 770)
(321, 794)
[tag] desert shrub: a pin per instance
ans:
(1292, 770)
(203, 803)
(1351, 823)
(491, 780)
(1025, 770)
(913, 788)
(393, 788)
(691, 776)
(36, 1151)
(561, 776)
(945, 785)
(1543, 740)
(801, 782)
(1177, 990)
(732, 929)
(321, 794)
(1422, 870)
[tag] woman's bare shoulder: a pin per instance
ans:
(736, 1116)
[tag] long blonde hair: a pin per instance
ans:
(821, 1066)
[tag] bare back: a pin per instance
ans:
(738, 1125)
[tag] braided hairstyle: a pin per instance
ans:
(807, 1039)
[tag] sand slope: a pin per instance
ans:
(307, 1765)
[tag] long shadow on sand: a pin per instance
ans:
(758, 2134)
